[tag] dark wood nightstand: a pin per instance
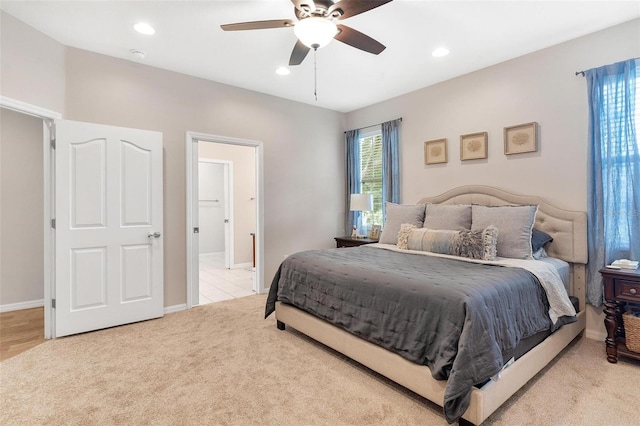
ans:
(352, 242)
(621, 286)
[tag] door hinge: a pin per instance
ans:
(53, 303)
(52, 133)
(53, 223)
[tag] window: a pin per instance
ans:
(371, 173)
(623, 164)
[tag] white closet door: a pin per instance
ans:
(109, 217)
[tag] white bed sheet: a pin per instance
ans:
(563, 268)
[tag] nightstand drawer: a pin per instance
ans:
(628, 291)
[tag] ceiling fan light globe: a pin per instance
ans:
(315, 32)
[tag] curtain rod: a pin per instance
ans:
(580, 73)
(376, 124)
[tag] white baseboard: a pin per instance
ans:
(241, 265)
(39, 303)
(22, 305)
(175, 308)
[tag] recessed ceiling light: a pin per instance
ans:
(283, 71)
(144, 28)
(440, 52)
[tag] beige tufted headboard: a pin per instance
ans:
(568, 228)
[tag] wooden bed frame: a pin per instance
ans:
(568, 229)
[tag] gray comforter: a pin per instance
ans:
(458, 318)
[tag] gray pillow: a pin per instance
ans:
(514, 224)
(447, 216)
(397, 214)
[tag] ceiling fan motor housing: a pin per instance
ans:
(319, 8)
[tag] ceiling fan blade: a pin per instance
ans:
(351, 8)
(258, 25)
(358, 40)
(299, 53)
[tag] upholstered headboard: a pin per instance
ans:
(568, 228)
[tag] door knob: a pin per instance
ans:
(153, 235)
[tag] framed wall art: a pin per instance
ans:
(435, 152)
(520, 138)
(473, 146)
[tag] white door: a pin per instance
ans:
(108, 236)
(212, 207)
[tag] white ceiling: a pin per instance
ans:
(189, 40)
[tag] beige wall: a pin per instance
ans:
(244, 193)
(32, 65)
(21, 209)
(539, 87)
(105, 90)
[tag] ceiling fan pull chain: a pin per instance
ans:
(315, 75)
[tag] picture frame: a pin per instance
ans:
(521, 138)
(435, 151)
(374, 232)
(473, 146)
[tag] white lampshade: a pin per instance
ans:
(315, 32)
(361, 202)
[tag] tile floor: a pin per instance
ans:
(218, 283)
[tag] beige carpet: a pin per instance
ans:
(224, 364)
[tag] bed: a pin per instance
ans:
(489, 314)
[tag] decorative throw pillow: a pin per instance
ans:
(433, 240)
(514, 224)
(478, 244)
(396, 215)
(447, 216)
(539, 239)
(403, 235)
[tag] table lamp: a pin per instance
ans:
(362, 203)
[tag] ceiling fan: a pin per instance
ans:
(316, 25)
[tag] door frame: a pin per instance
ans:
(191, 159)
(229, 234)
(48, 166)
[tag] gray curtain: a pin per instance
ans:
(613, 197)
(390, 164)
(352, 138)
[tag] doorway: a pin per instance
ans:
(75, 199)
(220, 278)
(45, 118)
(214, 275)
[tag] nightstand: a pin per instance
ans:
(621, 286)
(352, 242)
